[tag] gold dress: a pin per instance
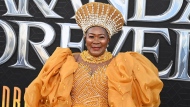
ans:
(127, 80)
(90, 86)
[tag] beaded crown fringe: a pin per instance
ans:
(99, 14)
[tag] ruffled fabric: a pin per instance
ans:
(133, 81)
(53, 85)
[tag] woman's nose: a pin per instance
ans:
(96, 40)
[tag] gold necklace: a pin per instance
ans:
(91, 59)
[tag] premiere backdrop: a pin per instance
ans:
(32, 29)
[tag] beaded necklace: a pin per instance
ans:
(91, 59)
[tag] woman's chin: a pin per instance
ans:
(96, 53)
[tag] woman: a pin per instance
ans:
(94, 78)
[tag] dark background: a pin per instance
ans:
(174, 94)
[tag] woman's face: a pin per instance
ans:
(96, 40)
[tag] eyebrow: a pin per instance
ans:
(97, 34)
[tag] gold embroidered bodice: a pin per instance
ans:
(90, 88)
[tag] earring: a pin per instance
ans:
(108, 45)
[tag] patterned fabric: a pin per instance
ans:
(90, 90)
(99, 14)
(129, 79)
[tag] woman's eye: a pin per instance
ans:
(102, 37)
(91, 36)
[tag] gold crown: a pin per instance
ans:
(99, 14)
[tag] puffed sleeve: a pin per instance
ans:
(52, 86)
(133, 81)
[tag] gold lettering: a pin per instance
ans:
(5, 96)
(16, 97)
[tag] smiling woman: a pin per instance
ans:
(97, 40)
(94, 78)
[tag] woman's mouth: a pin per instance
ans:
(96, 48)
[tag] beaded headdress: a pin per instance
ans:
(99, 14)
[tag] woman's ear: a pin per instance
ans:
(109, 39)
(84, 36)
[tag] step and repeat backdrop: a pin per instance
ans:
(30, 30)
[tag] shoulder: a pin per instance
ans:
(60, 50)
(123, 58)
(76, 55)
(127, 56)
(133, 57)
(130, 53)
(66, 51)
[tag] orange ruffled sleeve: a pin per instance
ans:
(51, 88)
(133, 81)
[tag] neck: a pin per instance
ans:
(93, 59)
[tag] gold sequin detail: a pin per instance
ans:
(91, 59)
(90, 90)
(99, 14)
